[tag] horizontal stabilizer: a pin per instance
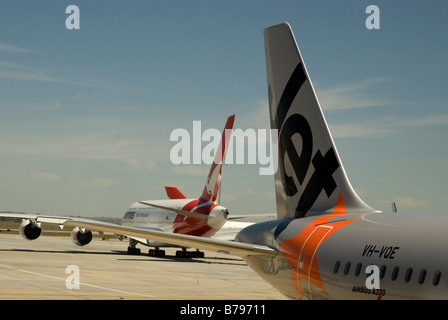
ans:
(174, 193)
(189, 214)
(255, 216)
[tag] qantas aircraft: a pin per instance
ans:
(326, 243)
(199, 217)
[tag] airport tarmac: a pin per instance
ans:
(38, 270)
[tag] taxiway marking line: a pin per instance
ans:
(81, 283)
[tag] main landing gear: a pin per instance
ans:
(189, 254)
(156, 252)
(133, 250)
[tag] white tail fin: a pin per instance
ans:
(211, 188)
(310, 178)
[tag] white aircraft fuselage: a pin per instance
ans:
(144, 216)
(326, 257)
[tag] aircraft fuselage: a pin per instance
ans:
(325, 257)
(144, 216)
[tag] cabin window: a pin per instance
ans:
(347, 268)
(408, 275)
(358, 269)
(436, 279)
(382, 272)
(336, 267)
(422, 276)
(395, 273)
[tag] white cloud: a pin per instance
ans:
(347, 96)
(4, 47)
(138, 153)
(46, 176)
(84, 182)
(358, 130)
(258, 118)
(352, 95)
(430, 120)
(95, 182)
(14, 71)
(409, 202)
(201, 170)
(28, 75)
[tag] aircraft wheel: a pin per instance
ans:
(189, 254)
(132, 251)
(156, 253)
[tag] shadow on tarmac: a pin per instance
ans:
(143, 258)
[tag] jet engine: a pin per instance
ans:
(81, 236)
(30, 229)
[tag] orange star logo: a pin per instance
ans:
(301, 251)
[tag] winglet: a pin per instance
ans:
(211, 188)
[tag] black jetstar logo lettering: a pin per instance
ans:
(324, 165)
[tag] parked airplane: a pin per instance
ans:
(325, 237)
(199, 217)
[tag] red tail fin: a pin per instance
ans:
(213, 181)
(174, 193)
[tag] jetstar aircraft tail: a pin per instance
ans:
(310, 178)
(211, 188)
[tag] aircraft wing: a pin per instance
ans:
(202, 243)
(37, 217)
(254, 216)
(230, 229)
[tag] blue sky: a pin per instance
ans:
(86, 115)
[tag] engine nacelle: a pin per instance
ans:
(81, 236)
(29, 229)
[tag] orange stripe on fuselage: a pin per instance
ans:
(300, 251)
